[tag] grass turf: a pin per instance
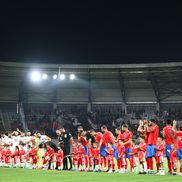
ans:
(27, 175)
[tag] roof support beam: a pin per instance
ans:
(89, 106)
(155, 87)
(123, 91)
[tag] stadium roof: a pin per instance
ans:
(96, 83)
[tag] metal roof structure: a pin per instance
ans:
(95, 83)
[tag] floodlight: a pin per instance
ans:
(62, 76)
(72, 77)
(55, 76)
(35, 76)
(44, 76)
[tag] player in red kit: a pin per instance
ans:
(121, 161)
(99, 140)
(2, 152)
(8, 155)
(75, 156)
(16, 157)
(96, 157)
(141, 155)
(127, 137)
(169, 136)
(33, 156)
(59, 158)
(81, 157)
(108, 137)
(174, 159)
(52, 157)
(82, 138)
(46, 159)
(178, 143)
(119, 134)
(22, 155)
(152, 131)
(110, 158)
(133, 152)
(179, 139)
(160, 156)
(90, 158)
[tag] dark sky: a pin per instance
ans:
(85, 33)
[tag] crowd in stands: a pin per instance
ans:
(48, 121)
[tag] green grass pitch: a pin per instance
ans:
(27, 175)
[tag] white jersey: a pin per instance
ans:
(8, 141)
(4, 140)
(15, 140)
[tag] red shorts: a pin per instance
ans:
(97, 161)
(159, 159)
(34, 159)
(174, 165)
(141, 156)
(133, 161)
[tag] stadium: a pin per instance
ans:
(44, 97)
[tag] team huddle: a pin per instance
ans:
(101, 151)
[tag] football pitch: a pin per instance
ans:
(27, 175)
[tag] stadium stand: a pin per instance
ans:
(100, 94)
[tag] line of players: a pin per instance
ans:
(100, 154)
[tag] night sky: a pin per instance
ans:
(88, 33)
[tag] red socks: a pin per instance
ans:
(150, 163)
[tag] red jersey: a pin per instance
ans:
(2, 152)
(152, 136)
(110, 153)
(75, 152)
(127, 135)
(33, 152)
(46, 157)
(50, 151)
(96, 153)
(16, 153)
(142, 147)
(173, 156)
(121, 150)
(160, 152)
(133, 151)
(81, 152)
(142, 151)
(8, 153)
(90, 151)
(83, 141)
(108, 137)
(119, 137)
(179, 139)
(169, 135)
(59, 155)
(98, 137)
(22, 152)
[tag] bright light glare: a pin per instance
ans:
(55, 76)
(35, 76)
(44, 76)
(72, 77)
(62, 76)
